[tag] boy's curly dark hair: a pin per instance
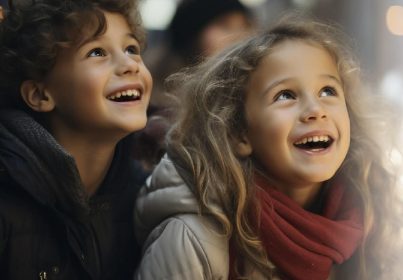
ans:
(34, 31)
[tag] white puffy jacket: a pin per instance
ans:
(178, 243)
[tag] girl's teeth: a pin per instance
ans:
(322, 138)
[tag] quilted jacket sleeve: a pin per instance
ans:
(184, 247)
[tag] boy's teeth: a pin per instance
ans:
(322, 138)
(130, 92)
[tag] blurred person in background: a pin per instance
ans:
(198, 30)
(3, 5)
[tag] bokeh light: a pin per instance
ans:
(157, 14)
(252, 3)
(394, 20)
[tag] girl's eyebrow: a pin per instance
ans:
(284, 80)
(274, 84)
(331, 77)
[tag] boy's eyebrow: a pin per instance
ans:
(91, 39)
(131, 35)
(86, 41)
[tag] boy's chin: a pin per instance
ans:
(136, 125)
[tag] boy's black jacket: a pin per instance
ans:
(48, 228)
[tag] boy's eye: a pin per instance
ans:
(328, 91)
(96, 52)
(133, 50)
(284, 95)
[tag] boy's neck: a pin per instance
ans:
(93, 164)
(92, 159)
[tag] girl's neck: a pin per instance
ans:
(304, 195)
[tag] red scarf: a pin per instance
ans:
(303, 245)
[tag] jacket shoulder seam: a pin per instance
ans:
(194, 236)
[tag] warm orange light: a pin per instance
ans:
(394, 20)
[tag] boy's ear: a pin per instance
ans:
(243, 146)
(36, 97)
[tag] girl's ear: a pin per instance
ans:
(244, 147)
(36, 97)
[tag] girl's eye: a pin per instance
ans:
(96, 52)
(133, 50)
(284, 95)
(328, 91)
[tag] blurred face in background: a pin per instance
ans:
(1, 13)
(223, 31)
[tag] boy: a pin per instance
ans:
(73, 88)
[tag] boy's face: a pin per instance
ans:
(102, 89)
(299, 127)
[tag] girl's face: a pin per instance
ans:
(299, 127)
(102, 88)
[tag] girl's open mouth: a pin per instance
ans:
(314, 143)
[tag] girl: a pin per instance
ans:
(73, 88)
(277, 169)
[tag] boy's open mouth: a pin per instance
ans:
(125, 96)
(314, 143)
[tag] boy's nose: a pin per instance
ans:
(313, 110)
(127, 65)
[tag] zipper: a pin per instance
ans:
(43, 275)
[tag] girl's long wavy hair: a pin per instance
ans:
(212, 119)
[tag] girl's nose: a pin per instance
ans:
(312, 110)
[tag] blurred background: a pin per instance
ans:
(375, 26)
